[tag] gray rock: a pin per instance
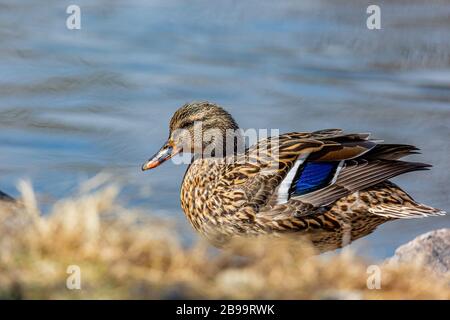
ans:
(431, 248)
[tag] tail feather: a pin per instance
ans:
(406, 211)
(391, 151)
(395, 203)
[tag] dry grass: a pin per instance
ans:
(123, 253)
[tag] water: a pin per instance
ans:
(76, 103)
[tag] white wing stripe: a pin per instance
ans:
(285, 185)
(338, 170)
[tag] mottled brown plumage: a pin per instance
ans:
(253, 192)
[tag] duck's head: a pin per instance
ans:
(194, 128)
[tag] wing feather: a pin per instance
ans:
(358, 175)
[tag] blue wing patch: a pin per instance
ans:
(313, 176)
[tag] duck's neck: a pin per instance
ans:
(200, 182)
(227, 143)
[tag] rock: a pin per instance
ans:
(5, 197)
(431, 248)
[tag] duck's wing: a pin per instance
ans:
(355, 174)
(308, 171)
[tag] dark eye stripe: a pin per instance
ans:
(186, 124)
(190, 123)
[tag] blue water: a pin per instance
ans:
(76, 103)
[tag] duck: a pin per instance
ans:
(330, 186)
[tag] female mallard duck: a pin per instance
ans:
(326, 184)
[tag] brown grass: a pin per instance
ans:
(123, 253)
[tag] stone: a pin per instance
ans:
(431, 248)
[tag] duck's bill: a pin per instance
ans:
(166, 152)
